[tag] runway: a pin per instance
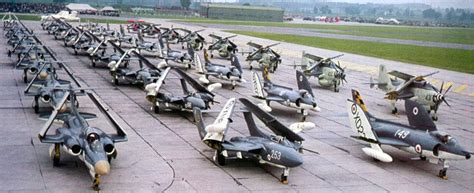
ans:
(164, 151)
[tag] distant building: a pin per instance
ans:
(239, 12)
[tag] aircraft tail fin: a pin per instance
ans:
(257, 85)
(234, 61)
(358, 100)
(199, 122)
(384, 81)
(216, 131)
(359, 120)
(198, 63)
(303, 83)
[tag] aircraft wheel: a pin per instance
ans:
(96, 183)
(125, 65)
(36, 104)
(212, 55)
(251, 67)
(55, 37)
(25, 77)
(9, 53)
(220, 158)
(156, 108)
(336, 89)
(65, 44)
(442, 173)
(395, 110)
(284, 179)
(56, 156)
(116, 81)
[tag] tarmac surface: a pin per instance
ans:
(164, 152)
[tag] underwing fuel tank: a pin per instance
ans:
(377, 154)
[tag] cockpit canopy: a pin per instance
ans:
(303, 93)
(91, 137)
(442, 136)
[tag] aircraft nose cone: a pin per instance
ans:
(102, 167)
(43, 75)
(468, 155)
(295, 160)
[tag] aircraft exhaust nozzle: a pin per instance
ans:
(102, 167)
(301, 126)
(43, 75)
(33, 70)
(380, 155)
(45, 98)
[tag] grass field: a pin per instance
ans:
(448, 35)
(444, 58)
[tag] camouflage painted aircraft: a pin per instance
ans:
(408, 87)
(328, 73)
(77, 138)
(301, 99)
(201, 98)
(421, 137)
(264, 55)
(192, 39)
(280, 149)
(232, 73)
(223, 45)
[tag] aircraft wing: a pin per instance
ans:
(241, 146)
(418, 117)
(120, 135)
(312, 57)
(275, 98)
(146, 61)
(215, 36)
(117, 47)
(193, 83)
(392, 142)
(271, 122)
(401, 75)
(400, 95)
(255, 45)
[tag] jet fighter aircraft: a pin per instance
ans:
(301, 99)
(143, 75)
(201, 98)
(415, 88)
(280, 149)
(76, 137)
(223, 45)
(114, 57)
(264, 55)
(122, 38)
(232, 73)
(328, 73)
(183, 58)
(51, 90)
(193, 39)
(420, 137)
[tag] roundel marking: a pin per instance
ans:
(301, 77)
(353, 108)
(269, 157)
(415, 111)
(418, 148)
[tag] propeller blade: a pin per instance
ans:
(447, 90)
(445, 101)
(441, 89)
(430, 74)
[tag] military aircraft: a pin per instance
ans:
(147, 29)
(232, 73)
(143, 45)
(328, 73)
(65, 15)
(264, 55)
(76, 137)
(222, 45)
(193, 39)
(143, 75)
(184, 58)
(280, 149)
(201, 98)
(52, 88)
(114, 57)
(301, 99)
(415, 88)
(421, 137)
(122, 37)
(170, 35)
